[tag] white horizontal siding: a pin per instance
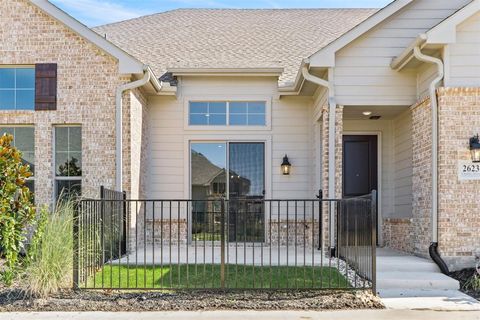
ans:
(362, 73)
(290, 134)
(465, 55)
(426, 74)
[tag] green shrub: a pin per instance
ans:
(17, 211)
(50, 267)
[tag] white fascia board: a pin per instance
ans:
(446, 31)
(326, 57)
(127, 63)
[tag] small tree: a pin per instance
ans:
(17, 211)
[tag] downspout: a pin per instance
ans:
(433, 249)
(119, 124)
(332, 104)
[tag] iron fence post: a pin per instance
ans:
(320, 220)
(75, 246)
(125, 223)
(374, 241)
(102, 225)
(222, 244)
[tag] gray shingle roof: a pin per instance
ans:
(232, 38)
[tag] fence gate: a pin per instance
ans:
(224, 244)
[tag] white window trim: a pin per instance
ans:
(54, 169)
(216, 98)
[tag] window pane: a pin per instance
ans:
(25, 139)
(217, 107)
(25, 99)
(218, 119)
(61, 164)
(256, 120)
(75, 139)
(198, 119)
(29, 158)
(7, 78)
(238, 119)
(68, 189)
(7, 99)
(238, 107)
(6, 130)
(256, 107)
(61, 139)
(198, 107)
(75, 164)
(26, 78)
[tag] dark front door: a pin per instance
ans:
(360, 165)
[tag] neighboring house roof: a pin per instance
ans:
(127, 63)
(232, 38)
(205, 171)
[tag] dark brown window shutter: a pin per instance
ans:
(46, 86)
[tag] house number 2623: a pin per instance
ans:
(473, 168)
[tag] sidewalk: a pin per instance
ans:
(257, 315)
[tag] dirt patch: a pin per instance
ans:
(15, 300)
(463, 276)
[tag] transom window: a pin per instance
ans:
(24, 141)
(227, 113)
(68, 161)
(17, 88)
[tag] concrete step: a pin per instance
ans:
(415, 281)
(406, 264)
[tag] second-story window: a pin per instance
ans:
(17, 88)
(227, 113)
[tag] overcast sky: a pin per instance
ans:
(98, 12)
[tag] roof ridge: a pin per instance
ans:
(232, 9)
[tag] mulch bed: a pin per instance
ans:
(463, 276)
(14, 300)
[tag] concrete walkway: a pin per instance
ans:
(408, 282)
(257, 315)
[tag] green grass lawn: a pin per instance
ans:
(208, 277)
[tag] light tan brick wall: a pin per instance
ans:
(459, 205)
(87, 79)
(325, 161)
(459, 201)
(422, 176)
(398, 234)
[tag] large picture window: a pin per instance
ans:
(68, 162)
(24, 141)
(17, 88)
(227, 113)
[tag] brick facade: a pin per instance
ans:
(398, 234)
(458, 204)
(87, 80)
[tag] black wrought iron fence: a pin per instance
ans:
(224, 244)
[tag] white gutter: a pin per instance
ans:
(119, 124)
(434, 102)
(332, 104)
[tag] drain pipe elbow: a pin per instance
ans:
(119, 124)
(433, 250)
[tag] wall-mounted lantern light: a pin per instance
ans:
(475, 148)
(286, 166)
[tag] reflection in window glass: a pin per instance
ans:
(68, 162)
(239, 113)
(17, 88)
(24, 141)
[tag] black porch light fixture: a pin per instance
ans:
(475, 148)
(286, 166)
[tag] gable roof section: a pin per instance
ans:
(446, 31)
(325, 57)
(232, 38)
(127, 63)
